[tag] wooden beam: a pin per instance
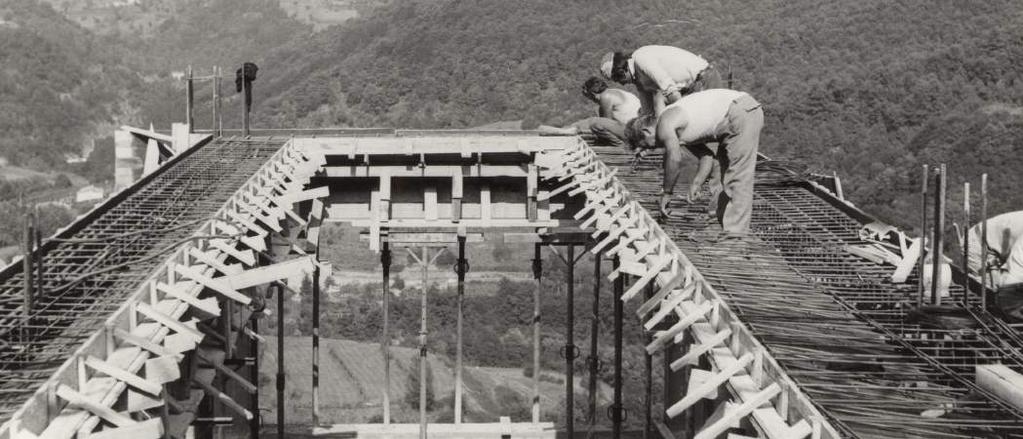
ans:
(1002, 381)
(216, 285)
(106, 413)
(148, 429)
(122, 375)
(265, 274)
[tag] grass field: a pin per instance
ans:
(351, 379)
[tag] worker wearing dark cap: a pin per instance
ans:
(662, 74)
(731, 118)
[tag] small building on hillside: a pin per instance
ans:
(89, 193)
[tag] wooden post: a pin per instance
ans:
(569, 346)
(594, 359)
(316, 342)
(983, 241)
(537, 272)
(648, 370)
(939, 229)
(216, 100)
(385, 339)
(966, 243)
(461, 266)
(189, 100)
(26, 262)
(425, 260)
(925, 181)
(619, 311)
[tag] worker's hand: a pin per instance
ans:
(672, 97)
(663, 204)
(694, 193)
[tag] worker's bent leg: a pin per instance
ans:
(606, 130)
(746, 119)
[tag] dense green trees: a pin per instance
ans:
(853, 87)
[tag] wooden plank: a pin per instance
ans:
(163, 369)
(734, 415)
(246, 257)
(148, 429)
(905, 267)
(81, 401)
(122, 375)
(287, 199)
(692, 356)
(1002, 381)
(266, 274)
(711, 384)
(646, 278)
(215, 285)
(662, 338)
(663, 291)
(181, 291)
(168, 321)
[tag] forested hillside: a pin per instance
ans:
(861, 88)
(57, 81)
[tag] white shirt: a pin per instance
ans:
(664, 67)
(1005, 236)
(705, 114)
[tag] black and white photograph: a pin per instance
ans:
(511, 219)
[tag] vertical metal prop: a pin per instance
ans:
(594, 360)
(190, 100)
(966, 243)
(39, 291)
(939, 230)
(26, 261)
(316, 342)
(537, 272)
(461, 267)
(924, 182)
(569, 346)
(280, 361)
(616, 407)
(385, 338)
(422, 343)
(983, 241)
(253, 378)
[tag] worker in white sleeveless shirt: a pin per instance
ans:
(732, 118)
(662, 74)
(616, 107)
(1004, 241)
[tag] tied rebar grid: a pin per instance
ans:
(89, 275)
(835, 321)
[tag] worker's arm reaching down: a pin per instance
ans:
(703, 170)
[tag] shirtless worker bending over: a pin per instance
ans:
(730, 117)
(616, 108)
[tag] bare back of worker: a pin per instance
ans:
(619, 105)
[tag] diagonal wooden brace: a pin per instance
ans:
(710, 385)
(216, 285)
(106, 413)
(663, 337)
(646, 278)
(692, 356)
(123, 375)
(714, 430)
(668, 306)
